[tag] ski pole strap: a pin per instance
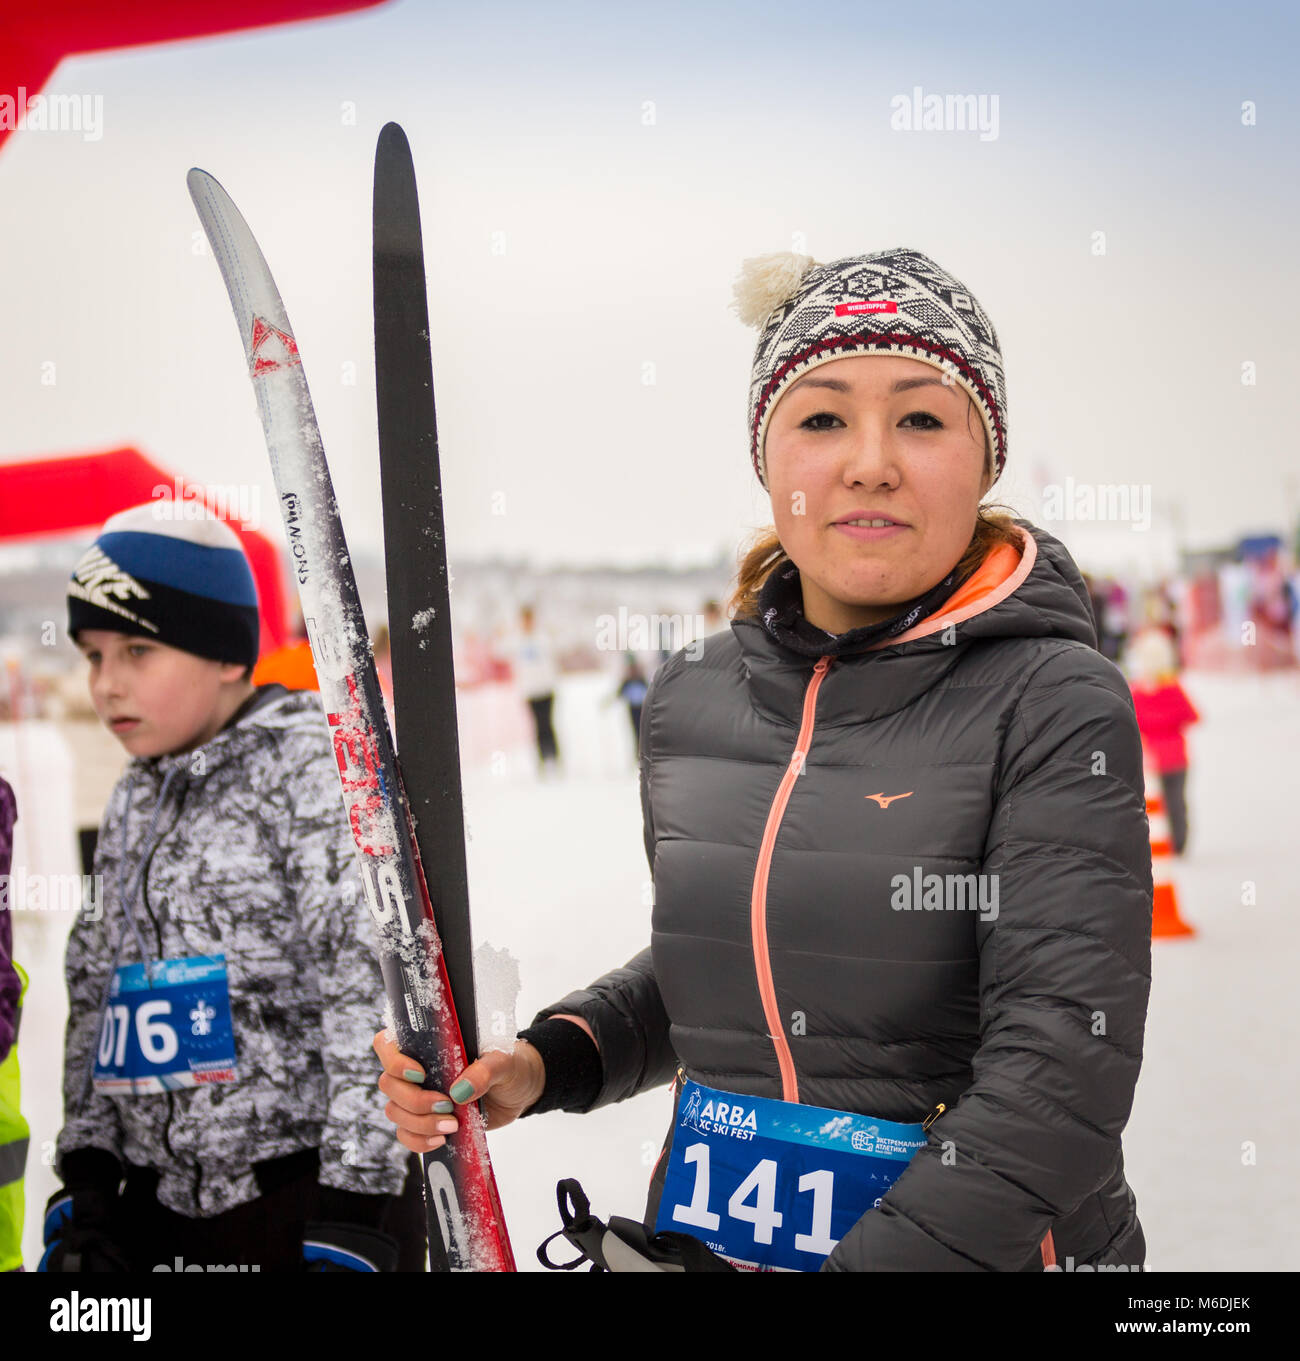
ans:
(581, 1228)
(622, 1244)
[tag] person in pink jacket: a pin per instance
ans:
(1163, 712)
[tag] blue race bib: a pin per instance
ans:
(167, 1027)
(773, 1185)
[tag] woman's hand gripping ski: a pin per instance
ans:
(505, 1085)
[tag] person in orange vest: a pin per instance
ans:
(290, 666)
(1163, 712)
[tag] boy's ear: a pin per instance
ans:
(234, 671)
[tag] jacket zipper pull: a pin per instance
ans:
(797, 758)
(933, 1116)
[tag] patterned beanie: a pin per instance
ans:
(890, 302)
(178, 581)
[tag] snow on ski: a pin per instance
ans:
(466, 1230)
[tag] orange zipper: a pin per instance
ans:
(677, 1083)
(758, 918)
(758, 899)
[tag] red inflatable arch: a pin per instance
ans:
(34, 38)
(62, 495)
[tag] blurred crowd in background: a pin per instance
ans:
(1233, 610)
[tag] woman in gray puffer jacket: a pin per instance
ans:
(895, 817)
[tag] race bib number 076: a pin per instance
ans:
(167, 1028)
(773, 1185)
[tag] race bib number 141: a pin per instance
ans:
(773, 1185)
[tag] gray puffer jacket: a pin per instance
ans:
(783, 800)
(244, 850)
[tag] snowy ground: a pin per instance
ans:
(1222, 1033)
(559, 879)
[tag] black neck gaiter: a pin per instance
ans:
(780, 611)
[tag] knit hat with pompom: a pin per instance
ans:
(890, 302)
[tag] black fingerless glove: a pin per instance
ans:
(572, 1062)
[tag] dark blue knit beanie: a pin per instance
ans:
(183, 582)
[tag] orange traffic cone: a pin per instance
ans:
(1165, 919)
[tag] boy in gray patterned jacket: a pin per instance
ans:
(218, 1106)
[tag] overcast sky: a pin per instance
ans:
(591, 178)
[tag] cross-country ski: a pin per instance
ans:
(466, 1230)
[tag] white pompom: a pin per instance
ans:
(765, 282)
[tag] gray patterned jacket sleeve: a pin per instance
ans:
(358, 1152)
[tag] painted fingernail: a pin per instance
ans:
(447, 1126)
(461, 1091)
(413, 1075)
(436, 1141)
(443, 1108)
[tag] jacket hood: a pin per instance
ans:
(1037, 593)
(1041, 596)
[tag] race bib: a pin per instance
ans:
(167, 1025)
(773, 1185)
